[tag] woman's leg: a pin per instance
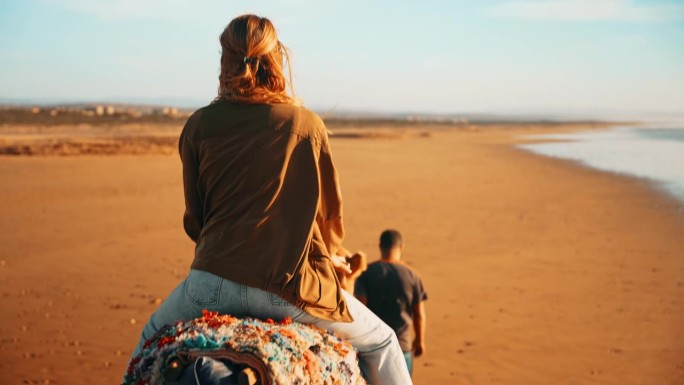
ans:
(380, 356)
(200, 290)
(172, 309)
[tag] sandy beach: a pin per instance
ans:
(538, 271)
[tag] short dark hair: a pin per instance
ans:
(389, 239)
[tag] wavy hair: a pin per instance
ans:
(252, 67)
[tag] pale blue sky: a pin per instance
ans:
(392, 56)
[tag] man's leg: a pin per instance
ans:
(408, 356)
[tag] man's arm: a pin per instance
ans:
(360, 291)
(419, 328)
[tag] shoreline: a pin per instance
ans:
(537, 269)
(665, 198)
(671, 186)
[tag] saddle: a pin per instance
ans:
(220, 349)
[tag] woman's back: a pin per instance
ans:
(254, 176)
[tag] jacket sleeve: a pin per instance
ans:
(329, 217)
(193, 218)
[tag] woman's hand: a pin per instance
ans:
(340, 263)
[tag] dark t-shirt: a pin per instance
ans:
(392, 291)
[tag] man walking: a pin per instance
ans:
(395, 293)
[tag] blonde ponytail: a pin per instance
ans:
(252, 63)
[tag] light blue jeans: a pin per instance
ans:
(380, 357)
(409, 361)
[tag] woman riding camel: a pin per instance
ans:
(263, 204)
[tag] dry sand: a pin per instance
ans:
(538, 271)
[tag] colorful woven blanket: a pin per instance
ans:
(280, 353)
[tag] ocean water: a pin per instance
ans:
(652, 153)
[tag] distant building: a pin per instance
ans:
(166, 111)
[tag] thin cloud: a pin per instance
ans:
(126, 9)
(114, 10)
(587, 10)
(635, 39)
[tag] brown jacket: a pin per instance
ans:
(263, 203)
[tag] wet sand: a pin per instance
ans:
(539, 271)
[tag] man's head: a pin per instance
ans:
(390, 244)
